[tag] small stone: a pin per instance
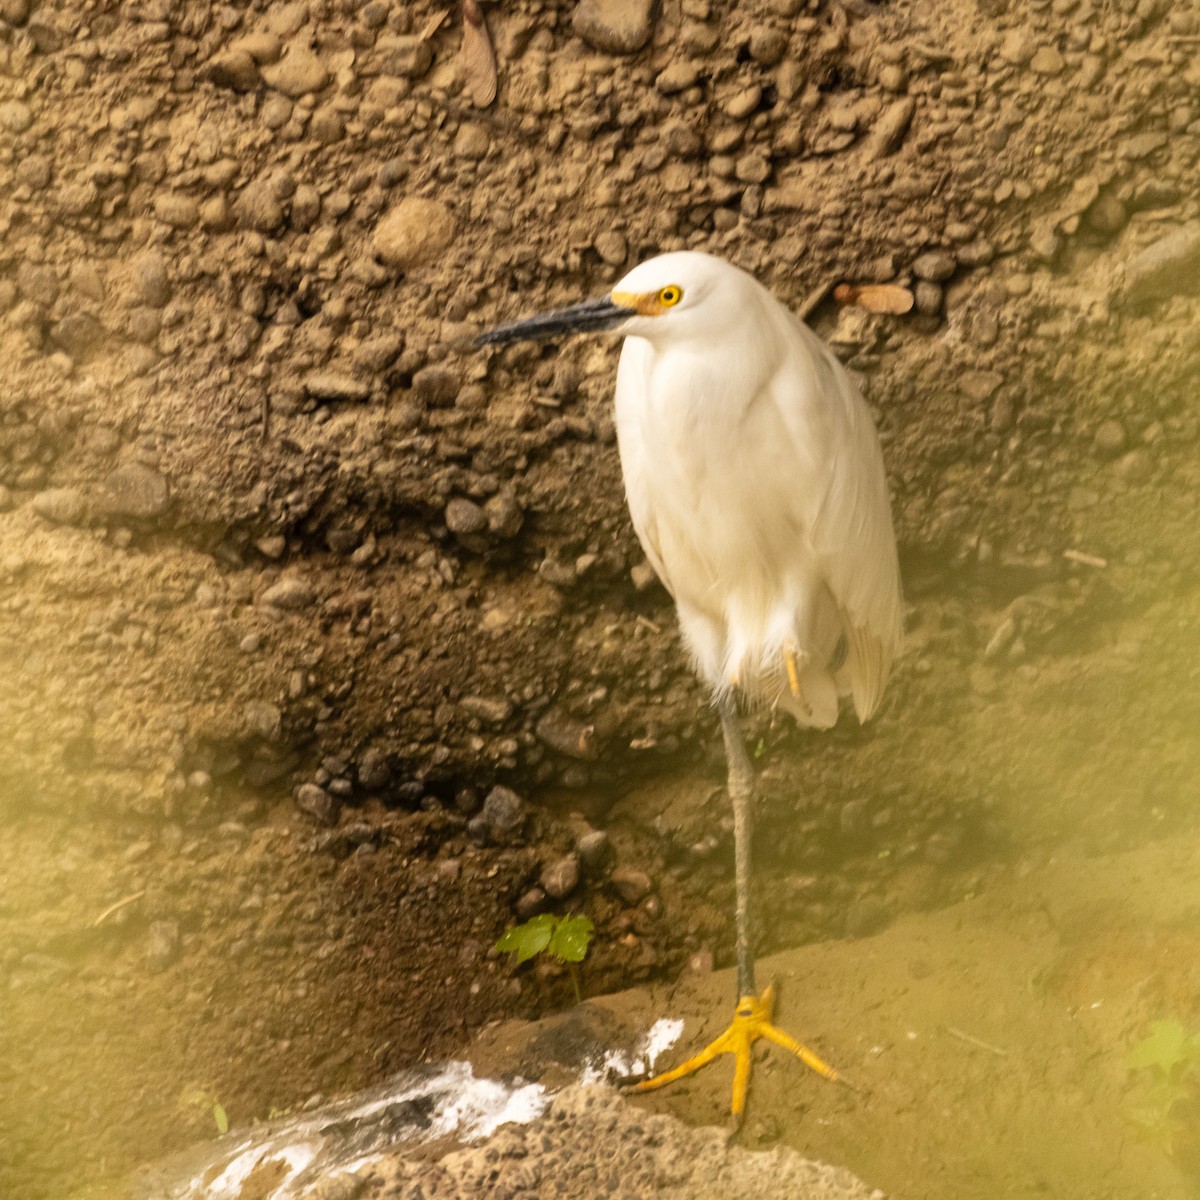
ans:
(744, 102)
(176, 209)
(630, 884)
(257, 207)
(1110, 438)
(504, 515)
(298, 73)
(612, 247)
(753, 167)
(677, 77)
(1015, 47)
(614, 26)
(133, 492)
(1107, 216)
(306, 208)
(317, 803)
(34, 171)
(503, 812)
(561, 877)
(464, 517)
(976, 253)
(261, 46)
(888, 132)
(15, 116)
(489, 710)
(1047, 61)
(151, 283)
(643, 576)
(405, 57)
(79, 335)
(37, 284)
(290, 593)
(376, 354)
(530, 903)
(928, 298)
(768, 45)
(15, 12)
(471, 141)
(435, 386)
(374, 769)
(336, 387)
(595, 849)
(263, 719)
(413, 232)
(979, 386)
(62, 505)
(1165, 268)
(233, 69)
(936, 265)
(567, 735)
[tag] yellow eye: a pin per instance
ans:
(670, 295)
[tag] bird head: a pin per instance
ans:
(674, 296)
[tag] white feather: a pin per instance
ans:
(756, 486)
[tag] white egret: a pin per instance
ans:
(756, 485)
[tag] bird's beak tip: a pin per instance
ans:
(591, 316)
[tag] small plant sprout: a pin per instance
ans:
(1165, 1094)
(564, 939)
(199, 1098)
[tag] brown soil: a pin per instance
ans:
(288, 584)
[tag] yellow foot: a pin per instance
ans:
(751, 1021)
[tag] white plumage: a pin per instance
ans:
(757, 488)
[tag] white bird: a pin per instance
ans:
(756, 486)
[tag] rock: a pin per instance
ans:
(15, 116)
(1047, 61)
(151, 283)
(614, 26)
(768, 45)
(630, 884)
(405, 57)
(464, 517)
(263, 719)
(15, 12)
(530, 903)
(1110, 438)
(561, 877)
(38, 284)
(888, 132)
(377, 353)
(928, 298)
(1107, 216)
(435, 386)
(489, 710)
(162, 944)
(291, 592)
(34, 171)
(176, 209)
(413, 232)
(979, 386)
(317, 803)
(334, 387)
(936, 265)
(233, 69)
(677, 77)
(503, 813)
(595, 849)
(62, 505)
(612, 248)
(306, 207)
(79, 335)
(504, 515)
(566, 735)
(298, 73)
(1165, 268)
(471, 141)
(374, 769)
(134, 492)
(257, 207)
(643, 576)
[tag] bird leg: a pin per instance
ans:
(752, 1017)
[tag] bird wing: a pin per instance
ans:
(635, 463)
(847, 513)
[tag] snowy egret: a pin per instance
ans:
(756, 486)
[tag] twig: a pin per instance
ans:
(1088, 560)
(978, 1043)
(112, 908)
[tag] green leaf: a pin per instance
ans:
(571, 939)
(221, 1118)
(1166, 1047)
(529, 939)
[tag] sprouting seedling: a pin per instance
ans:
(1165, 1066)
(199, 1098)
(565, 939)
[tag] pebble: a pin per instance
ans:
(565, 734)
(374, 769)
(413, 232)
(151, 283)
(471, 141)
(1047, 61)
(406, 57)
(34, 171)
(162, 944)
(768, 45)
(928, 298)
(15, 12)
(257, 207)
(614, 26)
(317, 803)
(298, 73)
(435, 386)
(503, 812)
(464, 517)
(1110, 438)
(595, 849)
(291, 592)
(530, 903)
(612, 247)
(15, 116)
(78, 335)
(62, 505)
(936, 266)
(1107, 216)
(335, 387)
(176, 209)
(677, 77)
(263, 47)
(504, 515)
(561, 877)
(490, 710)
(263, 719)
(1165, 268)
(233, 69)
(134, 492)
(888, 132)
(630, 884)
(306, 208)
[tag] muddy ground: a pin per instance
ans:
(290, 583)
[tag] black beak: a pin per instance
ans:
(592, 316)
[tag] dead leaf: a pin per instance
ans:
(875, 297)
(432, 26)
(479, 59)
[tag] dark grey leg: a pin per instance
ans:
(741, 793)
